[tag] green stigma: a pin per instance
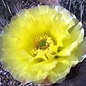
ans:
(42, 43)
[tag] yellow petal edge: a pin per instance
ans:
(41, 42)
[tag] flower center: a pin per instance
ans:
(42, 43)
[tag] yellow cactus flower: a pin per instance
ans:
(41, 43)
